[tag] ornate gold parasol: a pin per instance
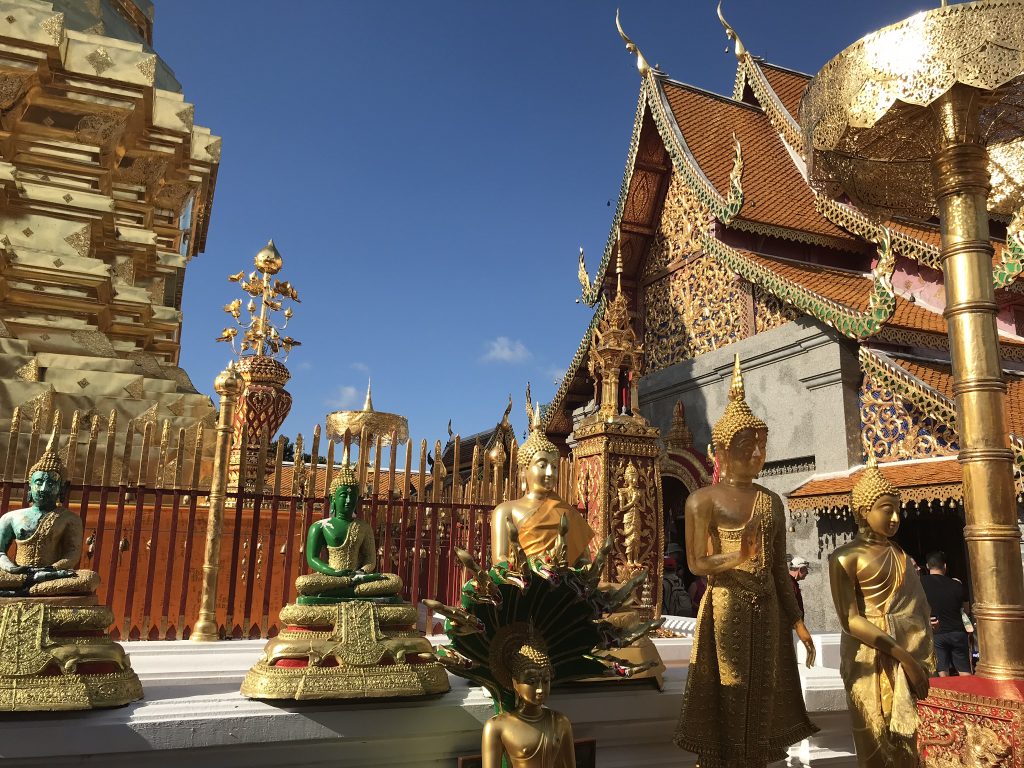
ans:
(376, 423)
(926, 117)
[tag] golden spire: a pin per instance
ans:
(618, 266)
(641, 63)
(537, 440)
(737, 414)
(260, 335)
(368, 403)
(741, 49)
(871, 486)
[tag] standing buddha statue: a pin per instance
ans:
(349, 635)
(886, 653)
(743, 706)
(55, 652)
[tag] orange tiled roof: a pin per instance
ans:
(788, 85)
(902, 474)
(939, 376)
(774, 191)
(851, 289)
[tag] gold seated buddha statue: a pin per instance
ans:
(55, 653)
(349, 635)
(535, 519)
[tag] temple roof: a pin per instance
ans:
(774, 192)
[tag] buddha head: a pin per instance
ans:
(344, 493)
(46, 478)
(876, 502)
(739, 437)
(531, 672)
(538, 459)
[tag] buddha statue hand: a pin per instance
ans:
(12, 567)
(48, 573)
(805, 638)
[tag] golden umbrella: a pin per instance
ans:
(376, 423)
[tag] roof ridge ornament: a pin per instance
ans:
(741, 50)
(641, 63)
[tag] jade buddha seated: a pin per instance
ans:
(48, 541)
(350, 569)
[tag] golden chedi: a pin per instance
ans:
(743, 705)
(349, 635)
(536, 519)
(886, 650)
(55, 653)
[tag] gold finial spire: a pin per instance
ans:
(368, 403)
(537, 440)
(736, 391)
(260, 335)
(741, 49)
(641, 63)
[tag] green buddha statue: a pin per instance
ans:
(47, 537)
(348, 635)
(350, 570)
(55, 652)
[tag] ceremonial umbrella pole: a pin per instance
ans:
(921, 118)
(228, 385)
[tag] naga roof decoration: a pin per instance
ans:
(581, 353)
(849, 321)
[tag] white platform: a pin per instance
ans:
(194, 716)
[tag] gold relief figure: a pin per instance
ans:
(630, 499)
(886, 650)
(742, 707)
(538, 513)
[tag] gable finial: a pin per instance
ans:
(741, 49)
(641, 63)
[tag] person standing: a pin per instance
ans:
(798, 570)
(947, 597)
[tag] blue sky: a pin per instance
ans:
(429, 170)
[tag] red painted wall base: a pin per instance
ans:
(972, 721)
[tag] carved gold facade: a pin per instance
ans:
(892, 428)
(693, 304)
(108, 184)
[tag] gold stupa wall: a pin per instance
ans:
(107, 185)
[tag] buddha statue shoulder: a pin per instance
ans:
(886, 652)
(743, 703)
(350, 570)
(47, 538)
(538, 513)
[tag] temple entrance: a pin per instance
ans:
(674, 495)
(937, 526)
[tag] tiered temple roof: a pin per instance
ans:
(107, 186)
(700, 207)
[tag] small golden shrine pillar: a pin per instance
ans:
(228, 385)
(616, 456)
(264, 403)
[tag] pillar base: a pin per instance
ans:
(972, 721)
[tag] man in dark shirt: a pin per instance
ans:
(798, 570)
(947, 598)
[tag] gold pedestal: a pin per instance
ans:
(358, 649)
(55, 654)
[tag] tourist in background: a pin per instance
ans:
(947, 598)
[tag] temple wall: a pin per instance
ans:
(804, 383)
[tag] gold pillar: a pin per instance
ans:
(228, 385)
(993, 538)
